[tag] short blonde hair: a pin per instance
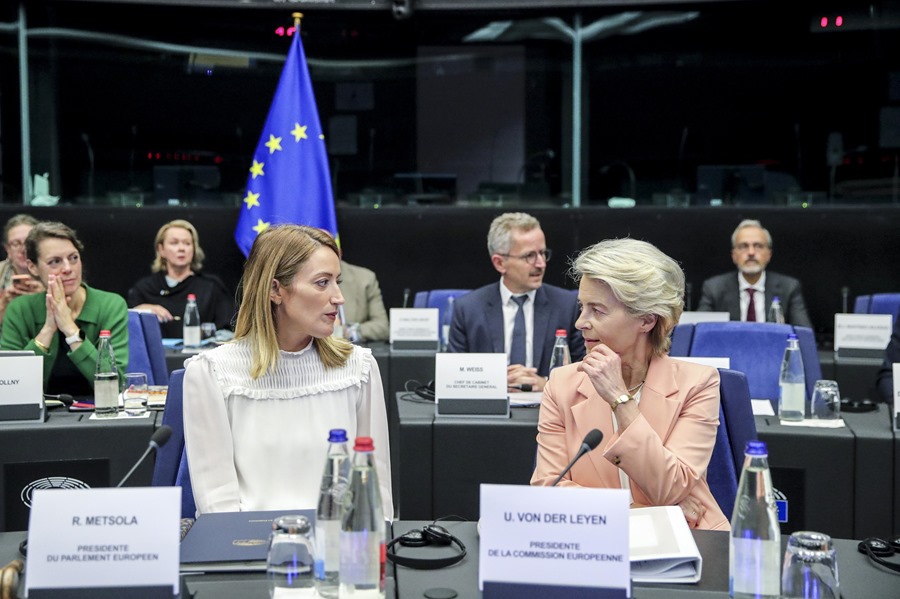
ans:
(643, 278)
(277, 254)
(159, 263)
(502, 227)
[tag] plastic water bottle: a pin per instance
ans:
(362, 529)
(754, 552)
(106, 379)
(445, 326)
(792, 383)
(560, 356)
(776, 314)
(191, 322)
(328, 515)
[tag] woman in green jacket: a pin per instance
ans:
(63, 325)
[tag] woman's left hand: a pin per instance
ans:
(59, 304)
(693, 511)
(604, 368)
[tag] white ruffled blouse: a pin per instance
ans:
(261, 444)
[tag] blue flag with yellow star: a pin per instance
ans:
(289, 181)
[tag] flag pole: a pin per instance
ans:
(297, 17)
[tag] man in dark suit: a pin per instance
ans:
(747, 295)
(519, 315)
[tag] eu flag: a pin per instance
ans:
(289, 180)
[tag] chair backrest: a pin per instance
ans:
(438, 298)
(183, 480)
(155, 349)
(812, 368)
(138, 359)
(861, 304)
(885, 303)
(736, 427)
(682, 336)
(169, 455)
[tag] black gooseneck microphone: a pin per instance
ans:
(160, 437)
(845, 295)
(591, 441)
(63, 398)
(405, 296)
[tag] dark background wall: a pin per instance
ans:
(424, 248)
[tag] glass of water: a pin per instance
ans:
(826, 401)
(290, 561)
(810, 567)
(136, 393)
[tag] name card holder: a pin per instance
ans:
(471, 386)
(21, 387)
(415, 329)
(861, 335)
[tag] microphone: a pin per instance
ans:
(522, 387)
(845, 293)
(405, 297)
(63, 398)
(159, 438)
(591, 441)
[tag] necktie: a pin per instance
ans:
(517, 347)
(751, 307)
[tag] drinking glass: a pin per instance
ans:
(810, 567)
(136, 393)
(826, 401)
(207, 330)
(291, 559)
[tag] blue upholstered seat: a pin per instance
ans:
(682, 337)
(885, 303)
(169, 455)
(438, 298)
(138, 359)
(155, 350)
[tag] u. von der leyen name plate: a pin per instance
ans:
(107, 543)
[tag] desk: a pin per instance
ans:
(98, 452)
(838, 481)
(858, 577)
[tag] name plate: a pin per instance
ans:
(22, 387)
(861, 335)
(471, 385)
(414, 328)
(695, 317)
(101, 541)
(553, 542)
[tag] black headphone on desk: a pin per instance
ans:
(431, 534)
(877, 549)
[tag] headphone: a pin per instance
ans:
(432, 534)
(877, 549)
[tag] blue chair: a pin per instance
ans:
(438, 298)
(861, 304)
(736, 427)
(168, 456)
(155, 349)
(682, 337)
(183, 480)
(756, 349)
(885, 303)
(138, 359)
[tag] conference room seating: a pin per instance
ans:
(138, 358)
(861, 304)
(682, 337)
(155, 350)
(183, 480)
(756, 349)
(878, 303)
(438, 298)
(168, 457)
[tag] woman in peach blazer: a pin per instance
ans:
(658, 415)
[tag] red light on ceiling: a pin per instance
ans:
(823, 22)
(838, 21)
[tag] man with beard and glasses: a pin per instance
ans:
(748, 295)
(519, 315)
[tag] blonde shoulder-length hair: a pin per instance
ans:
(159, 264)
(277, 254)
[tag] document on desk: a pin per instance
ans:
(231, 541)
(662, 547)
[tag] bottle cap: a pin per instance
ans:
(105, 333)
(560, 332)
(756, 448)
(337, 435)
(364, 444)
(792, 336)
(775, 299)
(191, 296)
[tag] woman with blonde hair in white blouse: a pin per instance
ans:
(257, 411)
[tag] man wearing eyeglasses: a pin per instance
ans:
(747, 295)
(519, 315)
(15, 280)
